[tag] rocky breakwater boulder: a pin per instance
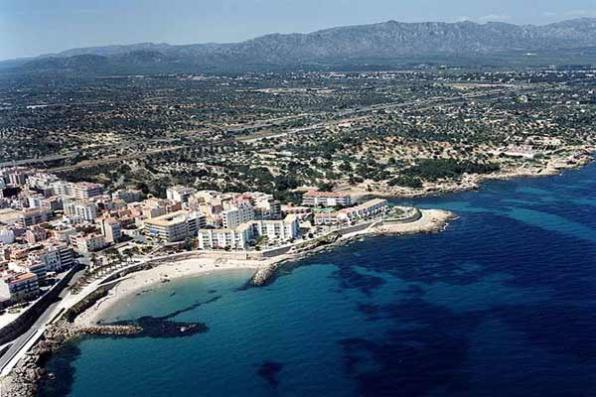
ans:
(263, 275)
(112, 330)
(266, 274)
(25, 376)
(24, 379)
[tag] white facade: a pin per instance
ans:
(225, 238)
(234, 217)
(6, 236)
(175, 226)
(179, 193)
(240, 237)
(326, 199)
(81, 209)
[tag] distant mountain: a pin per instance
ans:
(383, 43)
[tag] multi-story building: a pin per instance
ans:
(35, 200)
(4, 294)
(22, 286)
(154, 207)
(35, 234)
(86, 190)
(364, 210)
(326, 199)
(62, 188)
(241, 236)
(17, 176)
(30, 265)
(53, 203)
(326, 216)
(88, 243)
(111, 229)
(268, 209)
(175, 226)
(367, 209)
(56, 256)
(33, 216)
(235, 216)
(238, 238)
(42, 181)
(179, 193)
(6, 236)
(127, 195)
(82, 209)
(80, 190)
(277, 230)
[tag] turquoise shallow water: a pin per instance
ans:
(503, 303)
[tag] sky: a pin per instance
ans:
(34, 27)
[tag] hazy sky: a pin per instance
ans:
(33, 27)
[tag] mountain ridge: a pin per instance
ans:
(384, 41)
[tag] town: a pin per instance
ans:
(47, 225)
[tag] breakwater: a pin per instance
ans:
(29, 372)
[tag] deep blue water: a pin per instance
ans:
(503, 303)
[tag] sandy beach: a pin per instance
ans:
(430, 221)
(147, 279)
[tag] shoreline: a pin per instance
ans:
(470, 182)
(431, 220)
(146, 280)
(23, 380)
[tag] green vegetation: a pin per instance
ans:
(434, 169)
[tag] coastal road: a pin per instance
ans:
(24, 342)
(66, 300)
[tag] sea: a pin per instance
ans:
(502, 303)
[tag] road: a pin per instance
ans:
(346, 114)
(37, 160)
(24, 342)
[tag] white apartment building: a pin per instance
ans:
(57, 257)
(225, 238)
(33, 216)
(240, 237)
(175, 226)
(278, 230)
(326, 199)
(235, 216)
(179, 193)
(85, 244)
(111, 229)
(82, 209)
(364, 210)
(80, 190)
(86, 190)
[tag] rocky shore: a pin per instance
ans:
(25, 377)
(554, 166)
(428, 221)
